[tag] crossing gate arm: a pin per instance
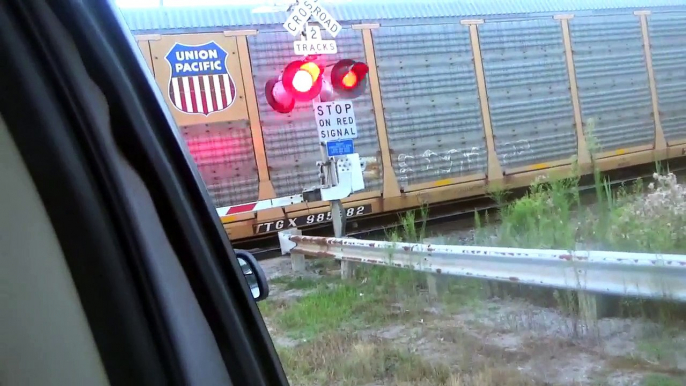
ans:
(260, 205)
(349, 180)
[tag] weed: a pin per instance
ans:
(289, 282)
(542, 218)
(352, 359)
(347, 359)
(408, 231)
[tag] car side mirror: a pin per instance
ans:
(257, 280)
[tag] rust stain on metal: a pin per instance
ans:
(349, 258)
(512, 278)
(439, 271)
(407, 248)
(566, 257)
(310, 240)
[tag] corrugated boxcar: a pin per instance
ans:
(462, 96)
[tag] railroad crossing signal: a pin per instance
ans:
(301, 80)
(349, 78)
(304, 80)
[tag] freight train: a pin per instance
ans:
(461, 97)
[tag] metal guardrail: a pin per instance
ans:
(643, 275)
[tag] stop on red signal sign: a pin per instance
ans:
(335, 120)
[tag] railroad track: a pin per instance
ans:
(449, 216)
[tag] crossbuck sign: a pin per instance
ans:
(310, 42)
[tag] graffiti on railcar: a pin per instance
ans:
(511, 150)
(456, 161)
(450, 161)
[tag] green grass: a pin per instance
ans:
(301, 283)
(377, 296)
(661, 380)
(330, 316)
(345, 358)
(348, 359)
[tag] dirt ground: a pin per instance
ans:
(383, 328)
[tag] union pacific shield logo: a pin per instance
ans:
(200, 83)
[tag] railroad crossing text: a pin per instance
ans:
(315, 47)
(335, 120)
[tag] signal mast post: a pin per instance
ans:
(340, 169)
(338, 215)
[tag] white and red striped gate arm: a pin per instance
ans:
(260, 205)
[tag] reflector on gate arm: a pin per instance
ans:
(641, 275)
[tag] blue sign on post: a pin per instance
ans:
(338, 148)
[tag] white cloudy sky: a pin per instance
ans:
(177, 3)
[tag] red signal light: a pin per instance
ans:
(277, 97)
(303, 80)
(349, 78)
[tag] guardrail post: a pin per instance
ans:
(347, 269)
(432, 278)
(339, 219)
(297, 259)
(592, 306)
(432, 284)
